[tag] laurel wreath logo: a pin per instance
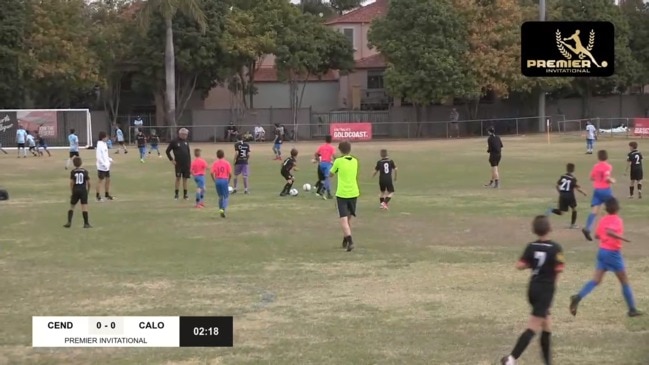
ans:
(562, 50)
(591, 43)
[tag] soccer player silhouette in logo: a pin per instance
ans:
(579, 49)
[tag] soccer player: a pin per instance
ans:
(182, 160)
(242, 154)
(31, 143)
(494, 149)
(566, 186)
(140, 138)
(635, 165)
(73, 141)
(21, 137)
(602, 180)
(326, 153)
(198, 168)
(545, 258)
(42, 145)
(79, 186)
(288, 166)
(386, 168)
(610, 233)
(103, 167)
(591, 136)
(277, 143)
(120, 139)
(319, 185)
(347, 191)
(221, 175)
(154, 141)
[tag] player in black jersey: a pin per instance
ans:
(319, 185)
(494, 149)
(635, 165)
(545, 258)
(566, 186)
(79, 185)
(386, 169)
(141, 144)
(241, 157)
(288, 166)
(154, 141)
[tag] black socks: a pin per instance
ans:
(84, 214)
(387, 200)
(176, 193)
(573, 217)
(70, 214)
(631, 188)
(545, 347)
(522, 343)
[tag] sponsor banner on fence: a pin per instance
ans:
(45, 122)
(351, 131)
(641, 126)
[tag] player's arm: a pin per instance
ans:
(611, 233)
(526, 259)
(377, 168)
(628, 165)
(168, 152)
(295, 167)
(72, 181)
(334, 169)
(578, 188)
(87, 181)
(394, 169)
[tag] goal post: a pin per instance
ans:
(52, 124)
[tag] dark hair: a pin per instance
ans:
(72, 131)
(541, 225)
(602, 155)
(220, 154)
(612, 206)
(345, 147)
(384, 153)
(77, 161)
(294, 152)
(491, 130)
(633, 145)
(570, 167)
(101, 136)
(197, 152)
(328, 138)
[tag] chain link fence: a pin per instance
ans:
(606, 128)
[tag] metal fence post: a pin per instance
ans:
(517, 130)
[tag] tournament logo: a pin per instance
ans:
(567, 49)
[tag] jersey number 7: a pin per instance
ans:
(539, 260)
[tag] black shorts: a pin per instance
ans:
(346, 207)
(494, 159)
(74, 154)
(32, 148)
(287, 175)
(183, 171)
(386, 185)
(540, 296)
(79, 195)
(103, 174)
(636, 174)
(567, 201)
(21, 145)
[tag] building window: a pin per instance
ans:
(374, 79)
(349, 34)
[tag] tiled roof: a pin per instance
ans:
(376, 61)
(269, 74)
(364, 14)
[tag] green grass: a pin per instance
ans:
(431, 280)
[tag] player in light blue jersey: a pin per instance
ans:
(120, 139)
(73, 140)
(21, 139)
(591, 137)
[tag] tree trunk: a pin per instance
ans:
(160, 108)
(251, 83)
(170, 75)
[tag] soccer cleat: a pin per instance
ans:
(574, 303)
(202, 204)
(87, 226)
(350, 246)
(67, 225)
(245, 191)
(198, 206)
(186, 197)
(586, 234)
(344, 242)
(99, 199)
(639, 195)
(630, 197)
(574, 226)
(222, 213)
(109, 197)
(634, 313)
(508, 360)
(488, 185)
(234, 191)
(324, 197)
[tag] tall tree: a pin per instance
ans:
(424, 43)
(637, 14)
(13, 19)
(168, 9)
(343, 5)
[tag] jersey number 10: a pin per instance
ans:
(79, 178)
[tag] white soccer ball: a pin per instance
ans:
(230, 189)
(306, 187)
(293, 192)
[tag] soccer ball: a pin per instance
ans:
(306, 187)
(293, 192)
(230, 189)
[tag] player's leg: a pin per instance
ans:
(237, 172)
(226, 196)
(177, 182)
(142, 153)
(326, 169)
(222, 190)
(597, 200)
(48, 152)
(620, 271)
(381, 196)
(540, 298)
(198, 190)
(100, 182)
(545, 341)
(639, 182)
(68, 162)
(534, 325)
(84, 210)
(74, 199)
(343, 213)
(389, 193)
(573, 217)
(186, 175)
(589, 286)
(287, 186)
(244, 173)
(107, 187)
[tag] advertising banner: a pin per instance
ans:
(45, 122)
(641, 127)
(351, 131)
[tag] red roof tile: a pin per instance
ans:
(376, 61)
(269, 74)
(364, 14)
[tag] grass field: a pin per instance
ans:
(431, 281)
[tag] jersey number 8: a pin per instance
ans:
(386, 168)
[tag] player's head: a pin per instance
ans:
(541, 226)
(77, 162)
(102, 136)
(633, 145)
(183, 133)
(29, 133)
(153, 132)
(491, 130)
(197, 152)
(570, 168)
(72, 131)
(612, 206)
(602, 155)
(384, 153)
(294, 152)
(220, 154)
(345, 147)
(328, 138)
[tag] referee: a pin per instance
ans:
(181, 159)
(347, 191)
(494, 148)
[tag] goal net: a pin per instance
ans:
(53, 125)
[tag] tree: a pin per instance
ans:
(424, 43)
(168, 9)
(637, 14)
(341, 6)
(319, 8)
(12, 27)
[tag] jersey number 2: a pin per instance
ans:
(637, 159)
(386, 168)
(539, 260)
(78, 178)
(565, 185)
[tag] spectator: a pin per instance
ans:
(138, 123)
(231, 133)
(455, 127)
(260, 133)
